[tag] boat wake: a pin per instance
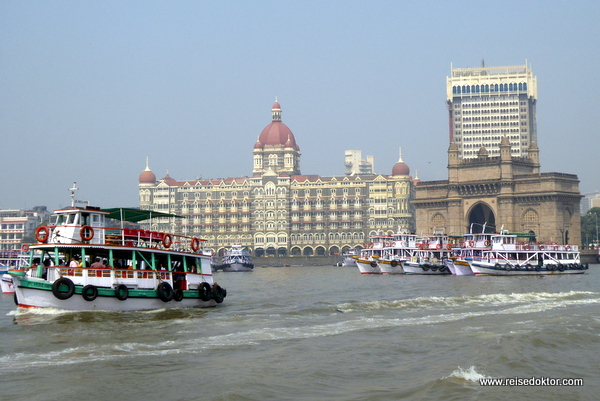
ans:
(468, 375)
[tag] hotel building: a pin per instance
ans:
(279, 211)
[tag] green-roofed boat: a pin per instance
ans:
(83, 262)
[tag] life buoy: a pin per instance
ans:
(195, 244)
(167, 241)
(526, 247)
(165, 291)
(121, 292)
(393, 263)
(556, 247)
(25, 248)
(204, 291)
(57, 289)
(86, 232)
(421, 246)
(42, 233)
(542, 247)
(89, 292)
(178, 295)
(568, 247)
(438, 246)
(449, 246)
(218, 294)
(487, 242)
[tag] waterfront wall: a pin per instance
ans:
(296, 261)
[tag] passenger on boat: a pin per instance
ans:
(98, 264)
(74, 262)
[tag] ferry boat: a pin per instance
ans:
(349, 257)
(401, 249)
(508, 256)
(81, 263)
(472, 248)
(237, 259)
(11, 259)
(367, 260)
(430, 257)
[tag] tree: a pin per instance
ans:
(590, 224)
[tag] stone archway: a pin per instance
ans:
(479, 216)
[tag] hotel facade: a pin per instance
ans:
(278, 211)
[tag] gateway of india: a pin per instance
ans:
(494, 180)
(278, 211)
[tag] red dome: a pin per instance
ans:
(400, 168)
(276, 105)
(147, 177)
(277, 133)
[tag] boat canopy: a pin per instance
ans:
(135, 215)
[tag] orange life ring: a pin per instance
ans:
(526, 247)
(487, 242)
(542, 247)
(568, 247)
(421, 246)
(167, 241)
(86, 232)
(448, 246)
(42, 233)
(195, 244)
(25, 248)
(438, 246)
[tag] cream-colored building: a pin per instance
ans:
(279, 211)
(487, 104)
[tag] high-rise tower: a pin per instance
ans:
(488, 103)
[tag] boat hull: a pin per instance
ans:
(394, 267)
(368, 266)
(482, 268)
(462, 268)
(7, 284)
(417, 268)
(40, 295)
(237, 267)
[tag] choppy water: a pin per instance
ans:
(318, 333)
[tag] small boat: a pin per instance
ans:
(368, 258)
(401, 249)
(472, 248)
(11, 259)
(509, 256)
(237, 259)
(82, 263)
(349, 257)
(430, 257)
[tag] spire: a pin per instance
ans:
(400, 158)
(147, 167)
(276, 110)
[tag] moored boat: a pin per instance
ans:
(368, 258)
(509, 256)
(237, 259)
(81, 263)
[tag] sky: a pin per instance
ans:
(90, 89)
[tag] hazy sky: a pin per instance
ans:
(88, 89)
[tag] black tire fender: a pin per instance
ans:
(56, 288)
(165, 292)
(121, 292)
(89, 292)
(205, 292)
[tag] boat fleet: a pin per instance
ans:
(499, 254)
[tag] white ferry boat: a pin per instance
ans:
(11, 259)
(367, 260)
(237, 259)
(508, 256)
(473, 246)
(401, 249)
(349, 257)
(87, 265)
(430, 257)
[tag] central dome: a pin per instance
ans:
(277, 133)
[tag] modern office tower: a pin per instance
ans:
(355, 164)
(486, 104)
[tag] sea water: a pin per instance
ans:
(318, 333)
